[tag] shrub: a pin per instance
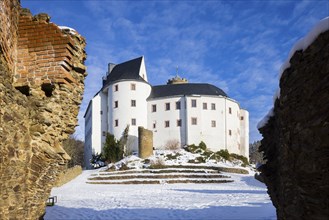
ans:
(124, 167)
(207, 153)
(201, 159)
(196, 149)
(242, 158)
(173, 156)
(202, 145)
(96, 161)
(157, 164)
(224, 154)
(172, 145)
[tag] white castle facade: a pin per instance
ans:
(182, 112)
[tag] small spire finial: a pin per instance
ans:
(176, 71)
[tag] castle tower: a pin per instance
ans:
(127, 89)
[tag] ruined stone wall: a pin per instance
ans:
(9, 11)
(68, 175)
(46, 55)
(145, 142)
(296, 139)
(36, 113)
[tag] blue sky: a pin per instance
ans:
(238, 46)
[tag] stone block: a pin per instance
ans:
(145, 142)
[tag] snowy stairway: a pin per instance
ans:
(159, 176)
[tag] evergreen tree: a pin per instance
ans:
(123, 141)
(114, 150)
(110, 149)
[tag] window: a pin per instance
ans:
(230, 132)
(167, 124)
(104, 133)
(133, 121)
(154, 125)
(213, 123)
(116, 123)
(116, 104)
(230, 110)
(213, 106)
(241, 118)
(193, 103)
(178, 105)
(179, 123)
(116, 88)
(132, 86)
(194, 121)
(204, 105)
(101, 112)
(167, 106)
(133, 103)
(154, 108)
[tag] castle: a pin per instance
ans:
(181, 112)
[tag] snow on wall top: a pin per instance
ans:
(71, 30)
(306, 41)
(301, 44)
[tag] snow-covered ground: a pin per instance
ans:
(245, 198)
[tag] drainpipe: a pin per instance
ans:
(186, 120)
(225, 127)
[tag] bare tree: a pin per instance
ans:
(74, 148)
(254, 155)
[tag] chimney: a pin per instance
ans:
(110, 67)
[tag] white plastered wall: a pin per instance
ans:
(124, 113)
(244, 133)
(162, 134)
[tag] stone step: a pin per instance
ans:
(162, 181)
(158, 176)
(167, 175)
(167, 170)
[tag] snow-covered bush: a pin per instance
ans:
(157, 163)
(196, 149)
(240, 157)
(96, 161)
(224, 154)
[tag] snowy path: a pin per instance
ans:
(245, 198)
